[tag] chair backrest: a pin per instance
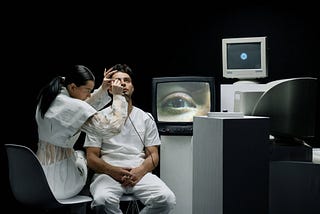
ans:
(27, 179)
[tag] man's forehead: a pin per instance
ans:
(120, 74)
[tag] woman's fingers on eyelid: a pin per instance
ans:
(112, 72)
(110, 69)
(109, 72)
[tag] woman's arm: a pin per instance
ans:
(110, 125)
(100, 97)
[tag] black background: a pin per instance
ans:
(154, 40)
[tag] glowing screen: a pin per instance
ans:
(180, 101)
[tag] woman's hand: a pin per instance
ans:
(107, 81)
(116, 87)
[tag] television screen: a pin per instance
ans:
(176, 100)
(244, 58)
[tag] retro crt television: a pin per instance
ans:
(244, 58)
(176, 100)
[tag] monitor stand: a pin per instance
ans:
(246, 81)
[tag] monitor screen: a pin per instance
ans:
(244, 58)
(176, 100)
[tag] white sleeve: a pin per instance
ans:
(109, 125)
(99, 98)
(92, 141)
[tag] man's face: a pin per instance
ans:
(126, 83)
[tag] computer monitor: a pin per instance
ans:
(244, 58)
(176, 100)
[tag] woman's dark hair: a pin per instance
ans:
(78, 74)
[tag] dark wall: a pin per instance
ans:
(154, 41)
(161, 41)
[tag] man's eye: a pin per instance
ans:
(177, 103)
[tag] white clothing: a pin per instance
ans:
(127, 150)
(58, 131)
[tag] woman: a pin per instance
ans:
(65, 108)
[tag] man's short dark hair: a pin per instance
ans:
(123, 68)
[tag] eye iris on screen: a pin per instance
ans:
(178, 103)
(243, 56)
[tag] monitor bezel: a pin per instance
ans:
(171, 127)
(245, 73)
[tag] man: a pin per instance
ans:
(124, 163)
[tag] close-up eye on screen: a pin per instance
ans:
(181, 101)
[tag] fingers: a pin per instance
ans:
(108, 73)
(125, 178)
(116, 87)
(116, 82)
(107, 76)
(127, 181)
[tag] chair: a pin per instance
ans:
(29, 184)
(133, 206)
